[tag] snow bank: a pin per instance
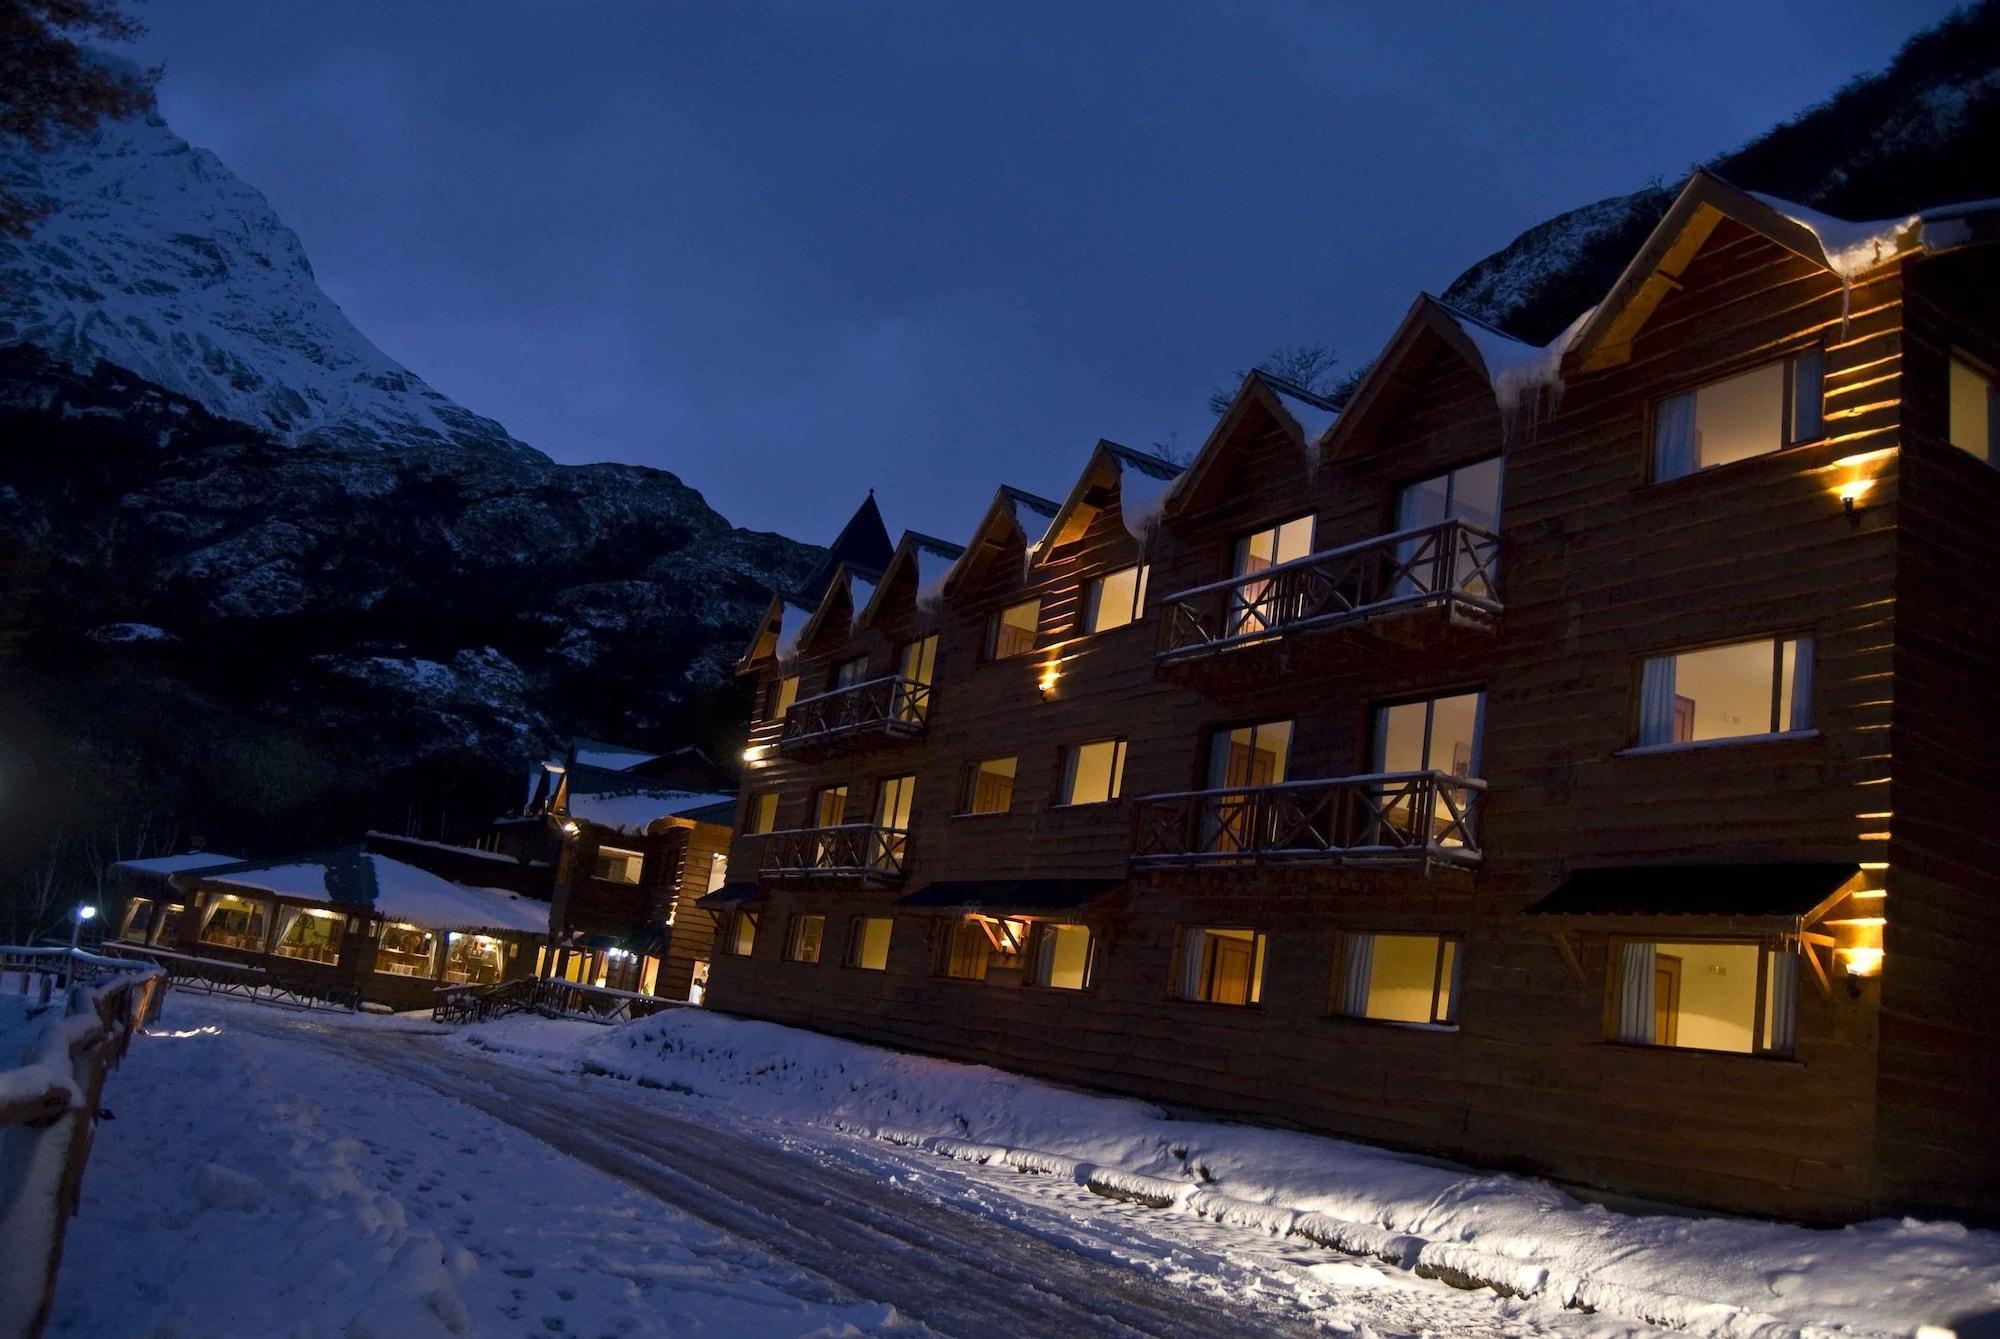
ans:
(1708, 1275)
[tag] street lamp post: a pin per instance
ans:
(80, 913)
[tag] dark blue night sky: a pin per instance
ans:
(790, 252)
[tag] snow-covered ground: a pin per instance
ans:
(276, 1173)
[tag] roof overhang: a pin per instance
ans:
(999, 529)
(1390, 378)
(1697, 898)
(1028, 897)
(1256, 400)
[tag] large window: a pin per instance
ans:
(1398, 978)
(1115, 599)
(784, 692)
(1220, 966)
(138, 920)
(760, 814)
(742, 933)
(1093, 773)
(1709, 995)
(1975, 412)
(1745, 690)
(989, 786)
(1065, 956)
(168, 929)
(1437, 734)
(309, 933)
(893, 797)
(618, 866)
(1750, 414)
(1249, 755)
(234, 922)
(916, 662)
(1470, 493)
(829, 806)
(984, 948)
(849, 672)
(1255, 605)
(868, 943)
(405, 950)
(473, 960)
(1012, 631)
(803, 938)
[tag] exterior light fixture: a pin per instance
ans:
(1051, 673)
(755, 754)
(1862, 961)
(570, 828)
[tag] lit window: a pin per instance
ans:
(1438, 734)
(1221, 966)
(234, 922)
(618, 866)
(803, 939)
(138, 920)
(1975, 412)
(990, 786)
(849, 672)
(472, 960)
(405, 950)
(829, 806)
(1013, 630)
(1115, 599)
(1255, 605)
(718, 871)
(1705, 996)
(1747, 690)
(916, 662)
(1249, 755)
(985, 948)
(170, 918)
(1093, 773)
(1399, 978)
(1470, 493)
(1064, 956)
(311, 934)
(784, 692)
(1750, 414)
(743, 933)
(761, 814)
(868, 943)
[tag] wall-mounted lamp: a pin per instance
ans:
(1862, 961)
(755, 754)
(1051, 673)
(569, 828)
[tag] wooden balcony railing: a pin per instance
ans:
(852, 851)
(888, 708)
(1451, 566)
(1383, 818)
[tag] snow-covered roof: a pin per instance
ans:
(1143, 485)
(177, 864)
(1033, 514)
(792, 620)
(611, 757)
(352, 877)
(1313, 416)
(1518, 370)
(635, 810)
(934, 559)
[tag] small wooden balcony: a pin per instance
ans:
(861, 714)
(1400, 819)
(1406, 586)
(849, 853)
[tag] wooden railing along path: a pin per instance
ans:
(262, 982)
(550, 999)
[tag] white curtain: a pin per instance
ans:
(1808, 376)
(1783, 1010)
(1357, 966)
(1656, 702)
(1192, 942)
(1673, 438)
(1802, 685)
(287, 918)
(208, 911)
(1045, 953)
(1636, 1021)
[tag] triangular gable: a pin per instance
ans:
(1013, 514)
(862, 544)
(1427, 325)
(1258, 400)
(1605, 340)
(920, 558)
(1141, 481)
(782, 632)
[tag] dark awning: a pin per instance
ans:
(727, 896)
(1696, 890)
(1008, 894)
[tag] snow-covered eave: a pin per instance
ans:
(1521, 374)
(1013, 507)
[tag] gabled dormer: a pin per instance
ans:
(1266, 439)
(912, 583)
(1135, 484)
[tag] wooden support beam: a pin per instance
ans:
(1825, 985)
(1569, 957)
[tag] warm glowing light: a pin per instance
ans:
(1851, 492)
(570, 829)
(1051, 672)
(1862, 961)
(1863, 458)
(755, 754)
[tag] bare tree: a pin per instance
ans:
(52, 85)
(34, 907)
(1310, 367)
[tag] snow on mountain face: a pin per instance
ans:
(158, 259)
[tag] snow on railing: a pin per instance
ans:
(1417, 818)
(891, 706)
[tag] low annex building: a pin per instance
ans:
(1564, 758)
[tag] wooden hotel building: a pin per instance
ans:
(1572, 759)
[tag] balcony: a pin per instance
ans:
(1449, 569)
(850, 853)
(879, 710)
(1415, 819)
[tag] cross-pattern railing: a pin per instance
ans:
(1381, 818)
(864, 851)
(1451, 565)
(892, 707)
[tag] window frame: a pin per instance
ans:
(755, 822)
(1978, 367)
(1455, 938)
(947, 947)
(1220, 732)
(1378, 741)
(739, 918)
(1636, 723)
(783, 693)
(1092, 599)
(970, 787)
(1787, 412)
(857, 937)
(1450, 475)
(1037, 931)
(1766, 945)
(1260, 945)
(1066, 774)
(638, 868)
(989, 647)
(847, 673)
(1239, 541)
(795, 934)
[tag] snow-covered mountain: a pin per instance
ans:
(157, 259)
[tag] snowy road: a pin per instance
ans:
(739, 1225)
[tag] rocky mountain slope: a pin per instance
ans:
(1925, 131)
(263, 581)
